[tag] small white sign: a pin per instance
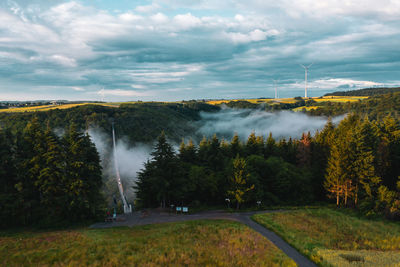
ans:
(185, 209)
(178, 208)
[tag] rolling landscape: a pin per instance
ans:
(173, 133)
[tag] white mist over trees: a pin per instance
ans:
(224, 123)
(245, 121)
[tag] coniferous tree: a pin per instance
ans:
(156, 180)
(239, 181)
(83, 175)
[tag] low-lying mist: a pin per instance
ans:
(228, 121)
(131, 160)
(224, 123)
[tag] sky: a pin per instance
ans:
(168, 50)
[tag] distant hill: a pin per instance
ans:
(366, 92)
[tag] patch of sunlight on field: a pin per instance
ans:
(292, 100)
(339, 98)
(307, 108)
(193, 243)
(50, 107)
(365, 258)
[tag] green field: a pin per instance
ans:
(333, 238)
(196, 243)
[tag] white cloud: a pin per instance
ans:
(129, 17)
(334, 83)
(253, 36)
(63, 60)
(159, 18)
(122, 93)
(148, 8)
(186, 21)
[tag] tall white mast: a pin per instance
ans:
(276, 89)
(305, 78)
(127, 209)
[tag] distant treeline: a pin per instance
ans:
(376, 107)
(48, 180)
(366, 92)
(356, 163)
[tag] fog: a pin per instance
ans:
(131, 160)
(245, 121)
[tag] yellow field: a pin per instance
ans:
(339, 98)
(307, 108)
(50, 107)
(211, 102)
(292, 100)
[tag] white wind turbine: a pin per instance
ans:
(306, 72)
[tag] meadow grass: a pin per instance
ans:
(331, 237)
(194, 243)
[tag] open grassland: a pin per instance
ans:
(333, 238)
(195, 243)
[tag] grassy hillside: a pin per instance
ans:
(331, 237)
(196, 243)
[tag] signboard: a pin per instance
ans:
(185, 209)
(178, 208)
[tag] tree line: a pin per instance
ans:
(355, 163)
(46, 179)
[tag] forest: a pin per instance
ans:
(355, 163)
(46, 179)
(50, 170)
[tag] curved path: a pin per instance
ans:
(138, 218)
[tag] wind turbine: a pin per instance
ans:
(306, 72)
(276, 90)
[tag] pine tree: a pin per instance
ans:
(236, 146)
(51, 179)
(157, 182)
(335, 176)
(239, 181)
(270, 147)
(83, 175)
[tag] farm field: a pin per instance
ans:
(333, 238)
(50, 107)
(211, 102)
(292, 100)
(194, 243)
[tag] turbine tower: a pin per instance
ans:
(127, 207)
(276, 89)
(306, 72)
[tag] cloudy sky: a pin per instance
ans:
(194, 49)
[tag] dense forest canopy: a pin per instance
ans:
(138, 122)
(47, 177)
(354, 162)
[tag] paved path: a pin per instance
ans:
(138, 218)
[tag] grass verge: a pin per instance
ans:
(194, 243)
(333, 238)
